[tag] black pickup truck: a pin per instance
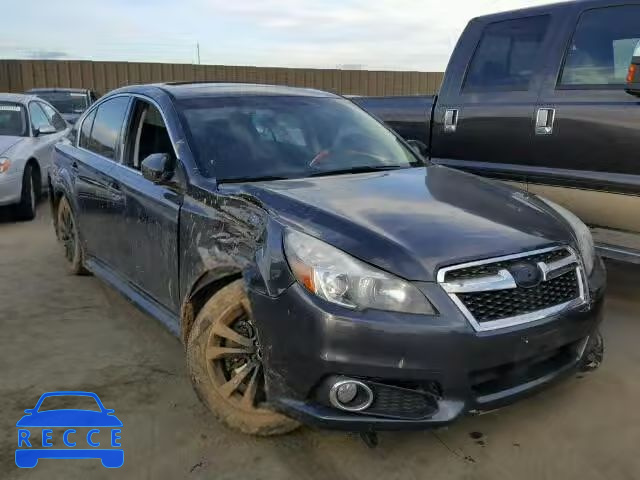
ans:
(536, 97)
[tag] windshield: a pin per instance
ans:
(12, 119)
(65, 102)
(254, 138)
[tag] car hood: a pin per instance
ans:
(69, 418)
(8, 141)
(412, 222)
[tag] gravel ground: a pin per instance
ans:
(75, 333)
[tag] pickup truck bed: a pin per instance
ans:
(410, 116)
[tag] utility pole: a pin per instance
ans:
(198, 51)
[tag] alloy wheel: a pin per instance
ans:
(234, 359)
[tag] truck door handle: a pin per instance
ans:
(450, 120)
(544, 121)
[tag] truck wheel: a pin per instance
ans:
(225, 364)
(26, 209)
(68, 235)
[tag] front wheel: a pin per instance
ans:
(26, 209)
(67, 232)
(225, 363)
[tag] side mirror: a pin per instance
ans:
(157, 168)
(633, 77)
(46, 130)
(29, 411)
(419, 147)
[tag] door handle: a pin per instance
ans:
(544, 121)
(450, 120)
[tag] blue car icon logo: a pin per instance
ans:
(99, 429)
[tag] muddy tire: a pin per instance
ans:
(225, 365)
(26, 209)
(67, 233)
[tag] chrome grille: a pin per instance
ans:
(487, 293)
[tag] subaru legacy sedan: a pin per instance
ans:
(315, 267)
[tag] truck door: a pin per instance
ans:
(589, 148)
(483, 121)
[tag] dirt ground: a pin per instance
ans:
(59, 332)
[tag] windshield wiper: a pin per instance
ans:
(361, 169)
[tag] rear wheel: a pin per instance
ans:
(224, 360)
(26, 209)
(67, 232)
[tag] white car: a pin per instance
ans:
(29, 129)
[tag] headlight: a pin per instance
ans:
(339, 278)
(5, 163)
(582, 232)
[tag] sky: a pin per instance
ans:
(369, 34)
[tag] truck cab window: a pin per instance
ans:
(602, 46)
(507, 54)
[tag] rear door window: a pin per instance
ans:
(507, 55)
(107, 126)
(601, 48)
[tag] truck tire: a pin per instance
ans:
(67, 233)
(225, 365)
(26, 209)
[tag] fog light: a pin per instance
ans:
(347, 392)
(350, 395)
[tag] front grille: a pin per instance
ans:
(499, 304)
(514, 289)
(493, 268)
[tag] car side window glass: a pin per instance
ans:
(602, 46)
(107, 126)
(147, 134)
(38, 118)
(507, 55)
(85, 131)
(54, 117)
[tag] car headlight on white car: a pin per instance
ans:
(339, 278)
(5, 163)
(582, 233)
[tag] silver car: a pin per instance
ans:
(29, 128)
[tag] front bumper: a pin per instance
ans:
(10, 188)
(306, 340)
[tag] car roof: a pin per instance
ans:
(185, 90)
(45, 90)
(17, 97)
